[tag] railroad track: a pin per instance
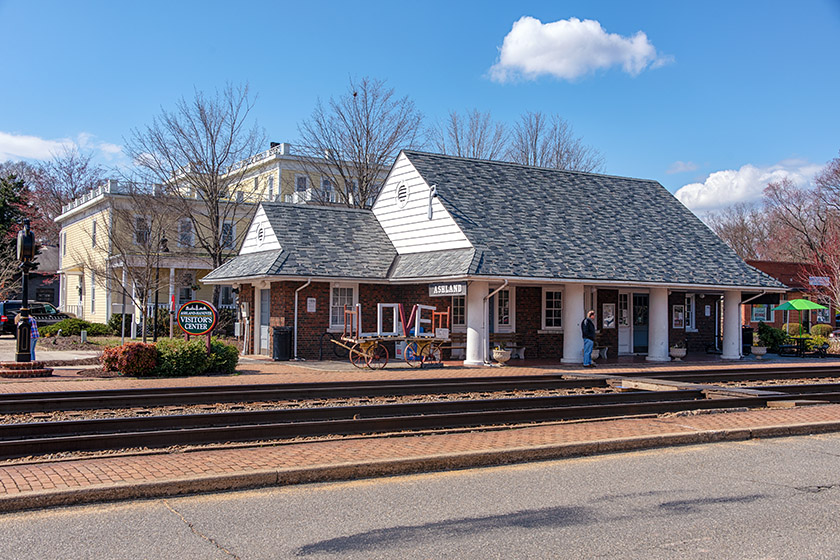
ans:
(162, 431)
(39, 438)
(174, 396)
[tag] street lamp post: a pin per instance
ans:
(162, 248)
(25, 254)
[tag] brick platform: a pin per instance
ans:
(51, 483)
(24, 369)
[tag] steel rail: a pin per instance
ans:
(118, 433)
(173, 396)
(134, 398)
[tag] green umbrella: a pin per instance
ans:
(799, 305)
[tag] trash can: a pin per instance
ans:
(746, 340)
(282, 347)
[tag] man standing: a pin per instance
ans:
(587, 329)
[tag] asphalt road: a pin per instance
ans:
(774, 498)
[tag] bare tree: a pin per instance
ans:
(803, 214)
(198, 154)
(352, 141)
(475, 135)
(549, 141)
(743, 227)
(138, 245)
(828, 184)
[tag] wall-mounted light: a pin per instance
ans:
(432, 196)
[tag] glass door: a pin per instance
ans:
(265, 329)
(641, 303)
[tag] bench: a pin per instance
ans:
(509, 341)
(788, 350)
(821, 351)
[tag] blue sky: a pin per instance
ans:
(719, 96)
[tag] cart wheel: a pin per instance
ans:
(413, 355)
(432, 353)
(357, 358)
(377, 356)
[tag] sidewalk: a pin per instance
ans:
(76, 481)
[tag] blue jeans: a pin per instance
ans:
(32, 343)
(588, 345)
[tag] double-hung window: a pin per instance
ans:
(690, 313)
(185, 233)
(340, 295)
(142, 231)
(228, 235)
(552, 316)
(459, 311)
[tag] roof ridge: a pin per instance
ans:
(523, 166)
(316, 207)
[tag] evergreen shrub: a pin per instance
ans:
(70, 327)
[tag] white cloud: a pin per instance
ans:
(681, 167)
(13, 146)
(19, 146)
(730, 186)
(569, 49)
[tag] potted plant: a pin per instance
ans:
(759, 347)
(678, 350)
(501, 355)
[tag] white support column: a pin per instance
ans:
(658, 326)
(476, 333)
(573, 315)
(731, 325)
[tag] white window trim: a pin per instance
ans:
(542, 307)
(355, 286)
(148, 229)
(232, 237)
(691, 304)
(770, 318)
(454, 324)
(511, 328)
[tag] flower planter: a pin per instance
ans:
(677, 353)
(758, 351)
(501, 356)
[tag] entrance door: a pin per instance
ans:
(265, 330)
(641, 320)
(624, 328)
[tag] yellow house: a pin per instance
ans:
(116, 245)
(112, 242)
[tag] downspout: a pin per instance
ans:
(309, 281)
(486, 323)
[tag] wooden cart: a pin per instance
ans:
(369, 350)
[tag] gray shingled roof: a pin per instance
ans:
(545, 223)
(317, 241)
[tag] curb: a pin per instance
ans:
(392, 467)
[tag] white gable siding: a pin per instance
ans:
(252, 242)
(409, 227)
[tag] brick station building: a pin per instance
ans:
(531, 248)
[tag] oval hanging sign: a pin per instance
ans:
(197, 317)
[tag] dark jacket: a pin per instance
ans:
(587, 329)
